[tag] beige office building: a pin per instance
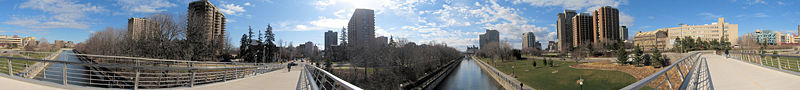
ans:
(705, 32)
(8, 41)
(652, 39)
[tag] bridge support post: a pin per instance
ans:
(64, 73)
(136, 81)
(779, 63)
(10, 69)
(225, 76)
(44, 73)
(191, 83)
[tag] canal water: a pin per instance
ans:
(469, 76)
(54, 71)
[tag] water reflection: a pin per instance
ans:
(469, 76)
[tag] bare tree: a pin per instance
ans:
(580, 53)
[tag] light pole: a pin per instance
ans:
(581, 82)
(512, 71)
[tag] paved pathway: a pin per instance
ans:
(11, 84)
(731, 74)
(275, 80)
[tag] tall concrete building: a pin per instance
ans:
(551, 46)
(582, 28)
(706, 32)
(623, 33)
(382, 40)
(606, 24)
(489, 37)
(361, 27)
(564, 26)
(137, 27)
(331, 38)
(528, 40)
(205, 21)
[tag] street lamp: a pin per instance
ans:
(512, 71)
(581, 81)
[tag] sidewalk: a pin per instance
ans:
(11, 84)
(731, 74)
(275, 80)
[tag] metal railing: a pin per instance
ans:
(689, 72)
(102, 71)
(781, 62)
(507, 80)
(314, 78)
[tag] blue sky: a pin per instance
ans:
(455, 22)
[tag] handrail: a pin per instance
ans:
(784, 63)
(318, 79)
(685, 69)
(133, 75)
(506, 79)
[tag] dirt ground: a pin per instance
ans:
(637, 72)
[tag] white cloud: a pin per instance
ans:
(757, 15)
(322, 4)
(232, 9)
(753, 2)
(324, 22)
(340, 14)
(62, 14)
(625, 19)
(760, 15)
(571, 4)
(709, 15)
(651, 17)
(150, 6)
(247, 4)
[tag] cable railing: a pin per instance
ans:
(131, 73)
(507, 80)
(776, 61)
(690, 72)
(314, 78)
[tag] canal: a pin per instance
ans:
(469, 76)
(53, 72)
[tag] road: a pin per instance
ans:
(731, 74)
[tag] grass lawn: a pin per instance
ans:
(542, 77)
(17, 64)
(35, 55)
(787, 63)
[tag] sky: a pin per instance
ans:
(454, 22)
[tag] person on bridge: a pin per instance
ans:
(289, 66)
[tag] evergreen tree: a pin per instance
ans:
(659, 62)
(678, 45)
(637, 55)
(270, 46)
(622, 55)
(343, 38)
(243, 48)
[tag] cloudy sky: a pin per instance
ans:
(455, 22)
